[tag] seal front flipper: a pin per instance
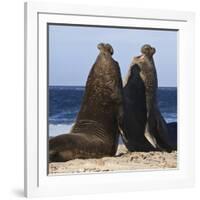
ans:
(123, 136)
(150, 137)
(163, 133)
(172, 130)
(77, 145)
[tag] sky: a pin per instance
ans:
(73, 51)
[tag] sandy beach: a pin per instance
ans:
(123, 160)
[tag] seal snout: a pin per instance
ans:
(105, 48)
(139, 59)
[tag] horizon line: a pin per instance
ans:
(84, 86)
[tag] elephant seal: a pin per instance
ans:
(95, 133)
(135, 117)
(143, 124)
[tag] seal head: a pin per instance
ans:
(148, 51)
(105, 48)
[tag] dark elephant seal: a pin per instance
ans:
(95, 133)
(135, 117)
(143, 124)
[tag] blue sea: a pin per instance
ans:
(65, 101)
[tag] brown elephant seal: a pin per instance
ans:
(143, 124)
(95, 133)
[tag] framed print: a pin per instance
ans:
(108, 99)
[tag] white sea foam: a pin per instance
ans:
(59, 129)
(170, 120)
(170, 117)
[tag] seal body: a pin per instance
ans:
(135, 117)
(146, 130)
(95, 133)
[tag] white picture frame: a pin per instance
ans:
(37, 182)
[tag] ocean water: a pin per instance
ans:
(65, 101)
